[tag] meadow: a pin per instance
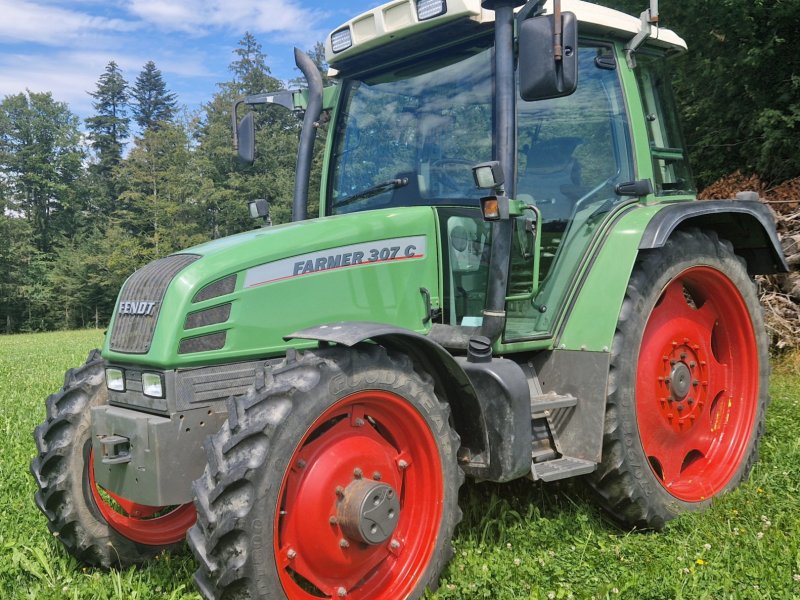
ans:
(519, 540)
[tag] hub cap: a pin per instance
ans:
(361, 504)
(697, 384)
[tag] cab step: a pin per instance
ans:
(561, 468)
(541, 403)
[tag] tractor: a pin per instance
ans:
(510, 276)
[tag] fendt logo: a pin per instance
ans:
(139, 309)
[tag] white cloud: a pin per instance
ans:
(70, 75)
(49, 25)
(199, 16)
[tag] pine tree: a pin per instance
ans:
(152, 104)
(109, 128)
(250, 70)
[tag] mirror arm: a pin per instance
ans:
(235, 120)
(558, 50)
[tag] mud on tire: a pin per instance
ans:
(323, 434)
(687, 389)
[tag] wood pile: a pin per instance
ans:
(780, 294)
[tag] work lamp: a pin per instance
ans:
(427, 9)
(341, 40)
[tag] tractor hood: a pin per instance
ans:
(236, 298)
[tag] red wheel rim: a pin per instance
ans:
(151, 525)
(368, 437)
(697, 384)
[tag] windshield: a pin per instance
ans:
(411, 137)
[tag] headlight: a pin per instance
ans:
(153, 385)
(115, 379)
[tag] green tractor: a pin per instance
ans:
(510, 276)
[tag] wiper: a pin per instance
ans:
(373, 191)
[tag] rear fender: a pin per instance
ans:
(593, 307)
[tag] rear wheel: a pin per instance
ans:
(688, 382)
(95, 525)
(336, 477)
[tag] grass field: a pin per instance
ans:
(521, 540)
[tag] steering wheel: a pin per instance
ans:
(452, 175)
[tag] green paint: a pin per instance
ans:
(387, 291)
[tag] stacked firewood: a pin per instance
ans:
(780, 294)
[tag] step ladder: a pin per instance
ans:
(548, 463)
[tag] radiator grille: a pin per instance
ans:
(133, 333)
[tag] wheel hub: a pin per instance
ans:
(368, 512)
(683, 384)
(680, 381)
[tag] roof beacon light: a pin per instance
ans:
(427, 9)
(341, 40)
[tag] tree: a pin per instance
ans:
(152, 104)
(250, 70)
(162, 188)
(110, 126)
(40, 162)
(738, 87)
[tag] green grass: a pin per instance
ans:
(519, 540)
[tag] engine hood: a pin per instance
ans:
(235, 298)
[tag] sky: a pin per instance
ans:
(64, 46)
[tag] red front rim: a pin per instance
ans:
(368, 438)
(697, 384)
(151, 525)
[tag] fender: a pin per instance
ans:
(594, 306)
(747, 224)
(490, 401)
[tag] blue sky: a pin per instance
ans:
(63, 47)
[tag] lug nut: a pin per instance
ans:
(357, 473)
(333, 520)
(376, 476)
(339, 491)
(343, 543)
(394, 545)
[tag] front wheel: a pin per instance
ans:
(688, 382)
(95, 525)
(335, 477)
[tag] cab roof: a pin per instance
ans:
(398, 19)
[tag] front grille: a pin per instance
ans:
(133, 330)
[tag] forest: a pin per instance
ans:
(84, 204)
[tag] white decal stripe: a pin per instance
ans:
(354, 255)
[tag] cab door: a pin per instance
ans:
(572, 152)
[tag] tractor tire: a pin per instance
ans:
(334, 476)
(687, 387)
(96, 527)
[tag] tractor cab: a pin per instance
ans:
(409, 129)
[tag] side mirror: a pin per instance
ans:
(246, 138)
(541, 75)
